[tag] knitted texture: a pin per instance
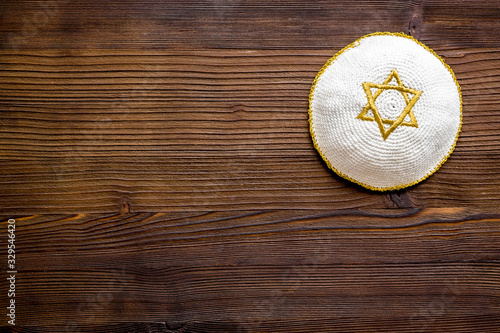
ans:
(385, 112)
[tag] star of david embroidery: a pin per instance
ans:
(407, 111)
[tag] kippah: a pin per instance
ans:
(385, 112)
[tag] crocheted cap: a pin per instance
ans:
(385, 112)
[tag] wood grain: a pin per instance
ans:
(238, 24)
(409, 271)
(157, 160)
(198, 130)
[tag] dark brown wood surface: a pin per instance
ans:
(156, 158)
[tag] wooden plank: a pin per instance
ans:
(205, 130)
(194, 24)
(193, 239)
(182, 126)
(462, 324)
(413, 270)
(460, 23)
(115, 328)
(260, 24)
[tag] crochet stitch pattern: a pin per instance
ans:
(417, 110)
(376, 115)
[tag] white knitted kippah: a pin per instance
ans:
(385, 112)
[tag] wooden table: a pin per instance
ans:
(156, 158)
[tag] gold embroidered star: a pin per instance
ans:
(407, 111)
